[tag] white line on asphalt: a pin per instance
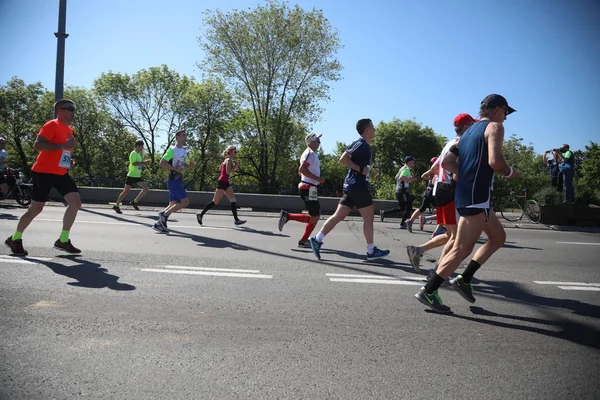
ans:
(22, 260)
(248, 271)
(231, 274)
(566, 283)
(380, 281)
(406, 278)
(588, 288)
(582, 243)
(137, 223)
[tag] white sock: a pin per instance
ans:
(320, 236)
(370, 248)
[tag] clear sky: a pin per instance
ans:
(422, 59)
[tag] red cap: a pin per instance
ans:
(463, 119)
(433, 160)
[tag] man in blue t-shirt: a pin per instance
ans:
(357, 158)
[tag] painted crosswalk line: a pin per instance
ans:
(377, 279)
(223, 272)
(22, 260)
(581, 286)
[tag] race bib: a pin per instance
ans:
(65, 159)
(312, 194)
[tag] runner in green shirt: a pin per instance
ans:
(134, 176)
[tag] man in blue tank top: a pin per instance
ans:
(357, 158)
(477, 157)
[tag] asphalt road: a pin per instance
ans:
(225, 312)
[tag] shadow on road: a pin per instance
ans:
(208, 241)
(87, 274)
(8, 217)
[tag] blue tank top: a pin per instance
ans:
(475, 176)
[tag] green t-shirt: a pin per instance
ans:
(135, 171)
(403, 173)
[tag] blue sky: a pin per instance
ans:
(422, 59)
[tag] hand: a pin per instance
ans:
(70, 144)
(513, 173)
(320, 179)
(364, 171)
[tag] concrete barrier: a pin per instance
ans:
(257, 202)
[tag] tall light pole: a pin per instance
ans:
(61, 35)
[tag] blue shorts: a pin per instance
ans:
(176, 190)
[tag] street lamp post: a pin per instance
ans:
(61, 35)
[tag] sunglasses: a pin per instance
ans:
(72, 109)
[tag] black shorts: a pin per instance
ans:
(427, 200)
(313, 206)
(223, 185)
(132, 181)
(43, 183)
(2, 178)
(357, 198)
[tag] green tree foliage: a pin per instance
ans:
(395, 140)
(587, 187)
(280, 60)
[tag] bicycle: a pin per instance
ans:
(17, 190)
(514, 209)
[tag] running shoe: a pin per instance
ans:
(283, 219)
(159, 228)
(117, 209)
(439, 230)
(433, 301)
(134, 205)
(239, 222)
(377, 253)
(463, 288)
(162, 218)
(415, 257)
(66, 246)
(422, 222)
(199, 218)
(304, 245)
(409, 226)
(16, 246)
(315, 246)
(381, 215)
(403, 226)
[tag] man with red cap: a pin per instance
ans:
(445, 213)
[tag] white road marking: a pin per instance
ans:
(132, 223)
(208, 273)
(248, 271)
(587, 288)
(406, 278)
(22, 260)
(582, 243)
(567, 283)
(380, 281)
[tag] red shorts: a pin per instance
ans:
(446, 214)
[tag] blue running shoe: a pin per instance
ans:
(377, 253)
(315, 246)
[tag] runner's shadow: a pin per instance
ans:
(207, 241)
(8, 216)
(572, 331)
(87, 274)
(266, 233)
(118, 218)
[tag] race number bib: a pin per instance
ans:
(65, 159)
(312, 194)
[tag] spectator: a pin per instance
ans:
(557, 178)
(567, 168)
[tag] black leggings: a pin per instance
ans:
(405, 204)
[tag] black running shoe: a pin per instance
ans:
(117, 209)
(463, 288)
(134, 205)
(199, 218)
(67, 246)
(433, 301)
(240, 222)
(16, 246)
(283, 219)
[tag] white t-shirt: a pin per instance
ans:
(311, 160)
(443, 175)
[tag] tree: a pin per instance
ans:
(20, 119)
(146, 102)
(588, 173)
(280, 61)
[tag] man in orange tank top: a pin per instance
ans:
(55, 142)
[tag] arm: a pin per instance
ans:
(304, 171)
(494, 135)
(545, 158)
(346, 159)
(228, 166)
(43, 144)
(450, 162)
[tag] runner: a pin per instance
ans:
(446, 214)
(405, 199)
(134, 176)
(55, 143)
(174, 160)
(480, 154)
(310, 178)
(228, 166)
(356, 192)
(427, 197)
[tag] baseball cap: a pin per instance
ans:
(495, 100)
(463, 119)
(312, 137)
(408, 159)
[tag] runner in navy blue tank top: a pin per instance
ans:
(478, 156)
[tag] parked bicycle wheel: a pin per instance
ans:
(23, 195)
(512, 211)
(533, 211)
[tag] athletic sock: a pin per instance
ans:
(320, 236)
(234, 210)
(64, 236)
(434, 284)
(370, 248)
(299, 217)
(470, 271)
(118, 204)
(307, 231)
(17, 235)
(208, 207)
